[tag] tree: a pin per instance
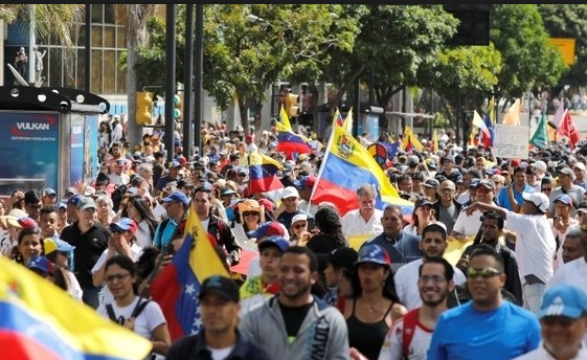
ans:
(528, 58)
(569, 21)
(134, 17)
(395, 42)
(471, 70)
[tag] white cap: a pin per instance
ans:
(299, 217)
(539, 199)
(540, 165)
(580, 166)
(89, 191)
(289, 192)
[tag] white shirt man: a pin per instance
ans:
(367, 219)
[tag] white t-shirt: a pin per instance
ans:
(406, 283)
(148, 320)
(468, 225)
(353, 224)
(220, 354)
(143, 235)
(75, 290)
(558, 259)
(135, 253)
(535, 245)
(392, 348)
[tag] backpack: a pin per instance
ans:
(410, 321)
(135, 313)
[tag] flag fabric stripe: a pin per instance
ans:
(346, 166)
(540, 137)
(64, 327)
(177, 287)
(263, 173)
(17, 346)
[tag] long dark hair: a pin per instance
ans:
(127, 264)
(388, 285)
(145, 212)
(16, 255)
(328, 221)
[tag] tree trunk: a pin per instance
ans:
(345, 88)
(243, 106)
(315, 113)
(135, 131)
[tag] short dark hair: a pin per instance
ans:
(434, 227)
(47, 209)
(484, 249)
(449, 272)
(301, 250)
(201, 189)
(493, 215)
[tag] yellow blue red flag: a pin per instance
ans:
(40, 321)
(288, 141)
(177, 287)
(346, 167)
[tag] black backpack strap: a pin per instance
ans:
(139, 308)
(111, 313)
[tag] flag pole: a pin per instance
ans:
(323, 163)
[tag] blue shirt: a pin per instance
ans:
(503, 199)
(463, 333)
(403, 249)
(164, 236)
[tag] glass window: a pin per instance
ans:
(109, 72)
(108, 14)
(109, 37)
(120, 76)
(97, 36)
(81, 39)
(79, 78)
(97, 13)
(54, 68)
(97, 72)
(121, 37)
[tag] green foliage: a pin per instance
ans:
(528, 58)
(569, 21)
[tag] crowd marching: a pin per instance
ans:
(472, 256)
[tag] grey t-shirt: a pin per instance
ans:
(448, 216)
(576, 193)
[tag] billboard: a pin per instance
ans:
(29, 144)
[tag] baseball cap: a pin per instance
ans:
(125, 224)
(565, 199)
(567, 171)
(413, 160)
(540, 200)
(343, 258)
(299, 217)
(222, 286)
(40, 263)
(73, 200)
(176, 196)
(268, 229)
(269, 206)
(431, 183)
(71, 190)
(306, 182)
(227, 191)
(580, 166)
(564, 300)
(86, 203)
(24, 222)
(582, 207)
(372, 253)
(290, 192)
(49, 192)
(540, 165)
(486, 183)
(448, 158)
(276, 241)
(52, 244)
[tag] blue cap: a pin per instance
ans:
(177, 196)
(175, 164)
(372, 253)
(564, 300)
(565, 199)
(276, 241)
(49, 192)
(61, 205)
(125, 224)
(268, 229)
(40, 263)
(474, 183)
(73, 200)
(448, 158)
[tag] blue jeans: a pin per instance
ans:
(532, 295)
(91, 296)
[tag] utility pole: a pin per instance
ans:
(170, 50)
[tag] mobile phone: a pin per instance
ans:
(169, 249)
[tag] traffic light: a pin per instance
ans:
(291, 104)
(177, 104)
(144, 108)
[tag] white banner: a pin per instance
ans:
(511, 142)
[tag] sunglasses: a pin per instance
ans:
(563, 321)
(250, 213)
(485, 273)
(546, 189)
(299, 226)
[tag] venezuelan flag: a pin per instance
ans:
(338, 120)
(263, 173)
(288, 141)
(410, 141)
(40, 321)
(177, 287)
(347, 166)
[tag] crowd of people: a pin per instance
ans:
(517, 288)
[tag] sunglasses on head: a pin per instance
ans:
(485, 273)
